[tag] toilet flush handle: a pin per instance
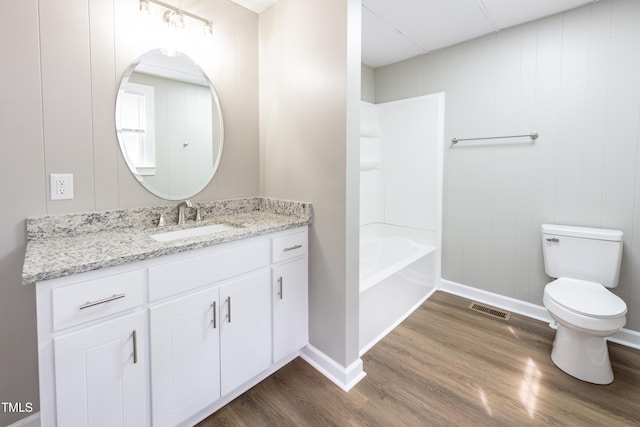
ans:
(553, 239)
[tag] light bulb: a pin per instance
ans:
(207, 30)
(173, 19)
(144, 7)
(177, 20)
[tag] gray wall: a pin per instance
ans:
(368, 84)
(309, 136)
(64, 60)
(574, 78)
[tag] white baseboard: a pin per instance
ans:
(345, 378)
(32, 420)
(524, 308)
(625, 337)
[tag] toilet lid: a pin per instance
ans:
(586, 298)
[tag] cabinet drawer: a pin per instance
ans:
(93, 299)
(289, 246)
(191, 273)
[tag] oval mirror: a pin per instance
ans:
(169, 124)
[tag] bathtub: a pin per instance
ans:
(397, 274)
(383, 255)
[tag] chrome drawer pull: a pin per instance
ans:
(553, 239)
(100, 301)
(292, 248)
(280, 287)
(229, 309)
(135, 346)
(213, 319)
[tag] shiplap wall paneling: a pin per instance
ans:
(504, 180)
(227, 86)
(66, 98)
(621, 156)
(525, 229)
(103, 88)
(22, 170)
(548, 51)
(247, 104)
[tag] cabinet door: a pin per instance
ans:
(100, 374)
(245, 334)
(185, 373)
(290, 308)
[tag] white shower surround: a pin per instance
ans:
(400, 210)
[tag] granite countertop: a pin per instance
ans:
(62, 245)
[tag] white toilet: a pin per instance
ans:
(584, 261)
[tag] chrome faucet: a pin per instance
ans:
(181, 206)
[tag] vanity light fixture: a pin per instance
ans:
(174, 17)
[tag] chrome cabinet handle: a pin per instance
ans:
(135, 346)
(280, 287)
(553, 239)
(101, 301)
(292, 248)
(213, 320)
(229, 309)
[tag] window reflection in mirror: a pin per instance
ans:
(135, 126)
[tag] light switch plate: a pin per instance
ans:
(61, 186)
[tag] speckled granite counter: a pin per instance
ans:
(69, 244)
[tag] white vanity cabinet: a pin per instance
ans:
(290, 294)
(245, 329)
(100, 374)
(206, 344)
(169, 340)
(185, 347)
(92, 338)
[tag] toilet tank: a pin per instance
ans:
(592, 254)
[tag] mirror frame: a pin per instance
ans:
(217, 123)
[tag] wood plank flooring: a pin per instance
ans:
(447, 365)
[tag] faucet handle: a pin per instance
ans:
(161, 222)
(198, 214)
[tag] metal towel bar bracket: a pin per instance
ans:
(533, 136)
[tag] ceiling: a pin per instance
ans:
(394, 30)
(255, 5)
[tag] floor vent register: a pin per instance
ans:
(490, 311)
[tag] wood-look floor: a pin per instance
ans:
(447, 365)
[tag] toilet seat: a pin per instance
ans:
(586, 306)
(585, 298)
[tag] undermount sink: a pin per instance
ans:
(206, 230)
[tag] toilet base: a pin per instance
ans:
(582, 355)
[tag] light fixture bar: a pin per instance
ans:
(207, 22)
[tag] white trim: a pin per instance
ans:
(511, 304)
(32, 420)
(626, 337)
(345, 378)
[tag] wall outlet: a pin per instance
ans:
(61, 186)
